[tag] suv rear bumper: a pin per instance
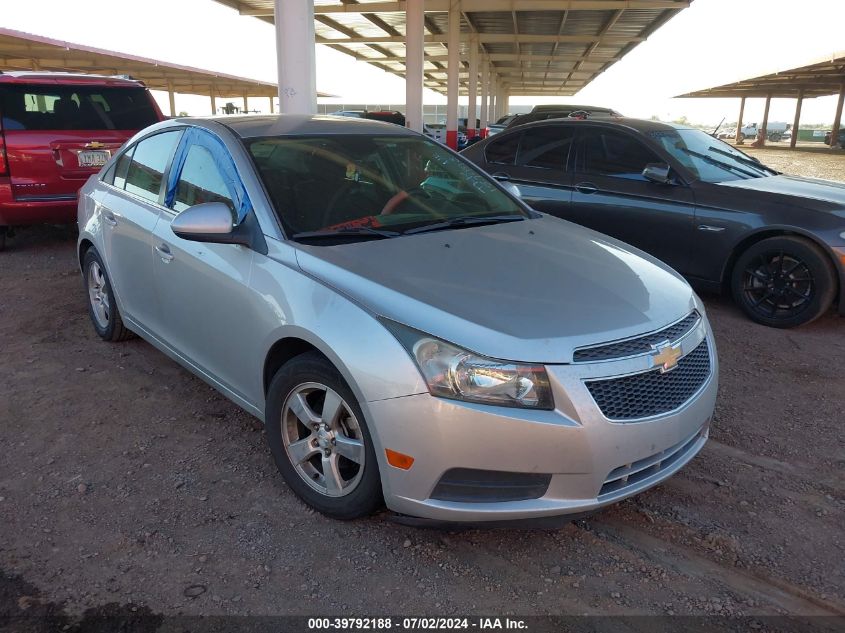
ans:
(36, 209)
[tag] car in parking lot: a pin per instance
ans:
(718, 216)
(390, 116)
(542, 113)
(829, 135)
(56, 129)
(500, 124)
(435, 345)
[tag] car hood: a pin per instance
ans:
(822, 195)
(525, 291)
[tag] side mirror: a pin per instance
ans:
(657, 172)
(209, 222)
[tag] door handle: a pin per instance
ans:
(586, 188)
(164, 252)
(501, 176)
(110, 218)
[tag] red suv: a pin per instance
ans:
(56, 129)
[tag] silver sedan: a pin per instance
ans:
(410, 332)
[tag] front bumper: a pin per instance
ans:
(575, 444)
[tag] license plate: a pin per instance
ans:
(91, 158)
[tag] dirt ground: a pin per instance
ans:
(813, 162)
(129, 486)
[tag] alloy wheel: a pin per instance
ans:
(323, 439)
(778, 284)
(98, 295)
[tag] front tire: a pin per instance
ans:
(320, 440)
(102, 307)
(783, 282)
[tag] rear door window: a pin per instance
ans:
(546, 147)
(149, 161)
(49, 107)
(502, 151)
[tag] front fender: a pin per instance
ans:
(370, 359)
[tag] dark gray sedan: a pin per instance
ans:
(715, 214)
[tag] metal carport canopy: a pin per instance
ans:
(535, 47)
(25, 51)
(816, 79)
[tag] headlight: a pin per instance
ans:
(452, 372)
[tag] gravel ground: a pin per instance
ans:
(129, 486)
(813, 163)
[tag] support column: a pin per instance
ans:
(506, 106)
(272, 106)
(794, 137)
(737, 137)
(485, 92)
(500, 92)
(472, 87)
(837, 120)
(453, 41)
(246, 104)
(296, 56)
(171, 97)
(213, 102)
(414, 61)
(764, 129)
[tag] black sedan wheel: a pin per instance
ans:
(783, 282)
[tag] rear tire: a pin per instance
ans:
(102, 307)
(783, 282)
(309, 443)
(3, 231)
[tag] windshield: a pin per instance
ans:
(707, 158)
(340, 183)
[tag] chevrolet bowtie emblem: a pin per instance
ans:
(665, 356)
(94, 145)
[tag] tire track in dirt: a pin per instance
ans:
(775, 591)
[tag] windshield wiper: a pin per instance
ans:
(463, 221)
(718, 163)
(746, 161)
(358, 231)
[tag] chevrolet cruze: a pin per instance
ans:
(408, 330)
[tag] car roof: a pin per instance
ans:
(252, 126)
(638, 125)
(49, 77)
(566, 107)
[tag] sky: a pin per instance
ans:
(711, 43)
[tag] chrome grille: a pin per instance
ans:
(639, 345)
(652, 393)
(631, 474)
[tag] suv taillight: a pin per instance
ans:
(4, 166)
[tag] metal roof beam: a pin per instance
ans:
(488, 38)
(502, 57)
(478, 6)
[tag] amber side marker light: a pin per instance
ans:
(399, 460)
(840, 252)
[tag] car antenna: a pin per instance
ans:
(713, 133)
